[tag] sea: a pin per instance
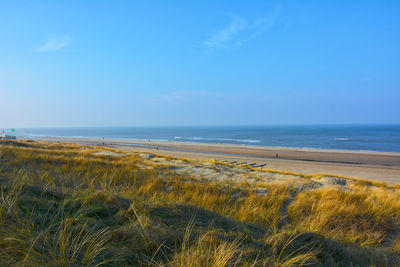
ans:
(344, 137)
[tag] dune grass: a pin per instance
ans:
(61, 205)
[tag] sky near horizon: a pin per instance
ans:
(160, 63)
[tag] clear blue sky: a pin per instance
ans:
(117, 63)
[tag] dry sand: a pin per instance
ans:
(378, 166)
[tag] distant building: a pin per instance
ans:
(6, 136)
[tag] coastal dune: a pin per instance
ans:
(377, 166)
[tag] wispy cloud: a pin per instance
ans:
(240, 30)
(180, 96)
(54, 44)
(228, 35)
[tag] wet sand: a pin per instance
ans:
(378, 166)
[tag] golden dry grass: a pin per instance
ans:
(63, 206)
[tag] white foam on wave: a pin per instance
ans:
(248, 141)
(342, 139)
(219, 139)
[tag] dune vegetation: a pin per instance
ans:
(72, 205)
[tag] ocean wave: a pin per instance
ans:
(342, 139)
(248, 141)
(218, 139)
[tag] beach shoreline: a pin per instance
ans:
(166, 143)
(377, 166)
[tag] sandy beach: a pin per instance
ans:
(377, 166)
